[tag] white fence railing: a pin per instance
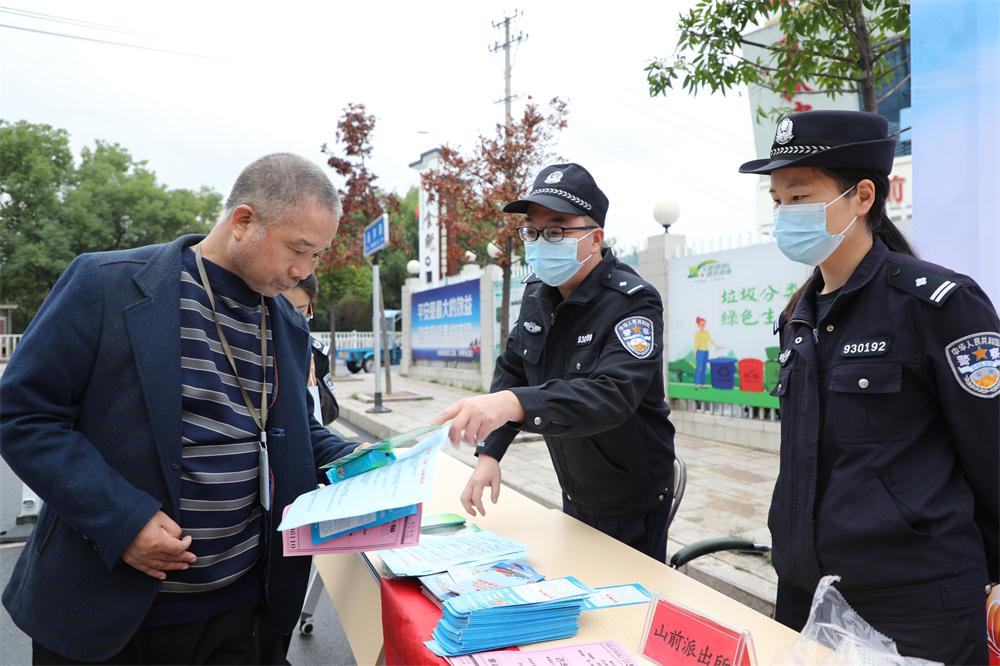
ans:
(354, 339)
(345, 340)
(7, 344)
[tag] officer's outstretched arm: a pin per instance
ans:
(508, 374)
(964, 348)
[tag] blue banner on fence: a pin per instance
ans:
(445, 323)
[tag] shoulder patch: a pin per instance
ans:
(975, 362)
(927, 285)
(636, 335)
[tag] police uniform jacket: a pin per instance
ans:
(321, 363)
(890, 429)
(588, 372)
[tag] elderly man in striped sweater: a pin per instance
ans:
(156, 405)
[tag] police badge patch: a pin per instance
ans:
(636, 335)
(975, 360)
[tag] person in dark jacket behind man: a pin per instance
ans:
(303, 298)
(584, 368)
(890, 422)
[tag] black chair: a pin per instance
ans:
(706, 546)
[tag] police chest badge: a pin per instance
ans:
(532, 327)
(636, 335)
(975, 361)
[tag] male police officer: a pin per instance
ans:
(583, 368)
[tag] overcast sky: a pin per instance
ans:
(276, 76)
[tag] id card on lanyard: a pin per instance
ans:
(259, 417)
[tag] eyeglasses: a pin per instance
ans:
(551, 234)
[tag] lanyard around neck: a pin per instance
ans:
(261, 418)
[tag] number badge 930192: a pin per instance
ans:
(865, 347)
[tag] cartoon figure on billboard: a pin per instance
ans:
(702, 338)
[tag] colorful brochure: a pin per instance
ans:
(436, 555)
(617, 595)
(398, 533)
(331, 529)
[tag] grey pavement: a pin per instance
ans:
(728, 486)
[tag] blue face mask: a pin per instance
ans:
(554, 263)
(801, 232)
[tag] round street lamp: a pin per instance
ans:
(666, 213)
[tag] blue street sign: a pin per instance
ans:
(376, 235)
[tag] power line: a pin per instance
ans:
(65, 19)
(108, 42)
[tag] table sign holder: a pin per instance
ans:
(675, 635)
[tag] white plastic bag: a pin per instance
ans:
(836, 635)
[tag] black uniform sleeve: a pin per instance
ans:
(974, 420)
(509, 374)
(610, 393)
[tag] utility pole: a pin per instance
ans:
(508, 41)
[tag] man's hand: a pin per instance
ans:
(158, 548)
(472, 419)
(487, 473)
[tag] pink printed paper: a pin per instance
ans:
(394, 534)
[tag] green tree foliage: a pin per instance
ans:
(52, 210)
(837, 46)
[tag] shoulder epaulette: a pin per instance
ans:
(625, 282)
(321, 346)
(928, 285)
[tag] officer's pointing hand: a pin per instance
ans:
(473, 419)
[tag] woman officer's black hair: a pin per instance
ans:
(879, 223)
(310, 285)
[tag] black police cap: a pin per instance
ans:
(565, 188)
(832, 139)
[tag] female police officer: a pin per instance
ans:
(890, 418)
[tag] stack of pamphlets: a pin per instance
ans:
(444, 553)
(462, 580)
(491, 619)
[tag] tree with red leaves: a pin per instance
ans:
(362, 201)
(471, 191)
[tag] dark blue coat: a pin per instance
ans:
(90, 419)
(889, 457)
